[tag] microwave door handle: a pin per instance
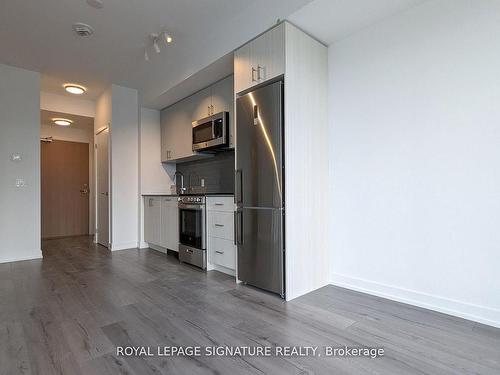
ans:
(213, 129)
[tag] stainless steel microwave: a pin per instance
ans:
(211, 132)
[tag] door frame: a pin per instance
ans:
(96, 186)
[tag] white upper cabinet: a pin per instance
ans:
(223, 101)
(222, 95)
(176, 120)
(260, 60)
(176, 131)
(203, 104)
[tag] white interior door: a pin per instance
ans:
(102, 166)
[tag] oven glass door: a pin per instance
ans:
(191, 227)
(203, 132)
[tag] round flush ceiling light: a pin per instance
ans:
(62, 121)
(74, 89)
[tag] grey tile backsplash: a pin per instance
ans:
(217, 171)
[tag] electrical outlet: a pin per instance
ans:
(20, 183)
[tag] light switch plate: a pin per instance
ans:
(20, 182)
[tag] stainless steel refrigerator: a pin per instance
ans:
(259, 195)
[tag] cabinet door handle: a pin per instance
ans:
(258, 72)
(208, 110)
(219, 252)
(253, 74)
(219, 225)
(219, 204)
(212, 108)
(150, 202)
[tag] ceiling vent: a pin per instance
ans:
(83, 30)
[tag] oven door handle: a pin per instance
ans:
(190, 207)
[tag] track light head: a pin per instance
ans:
(156, 46)
(168, 37)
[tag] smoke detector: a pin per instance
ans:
(82, 29)
(96, 4)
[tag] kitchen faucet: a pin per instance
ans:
(182, 189)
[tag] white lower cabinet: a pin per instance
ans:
(223, 252)
(220, 234)
(161, 222)
(152, 220)
(170, 223)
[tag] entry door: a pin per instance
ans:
(102, 164)
(65, 189)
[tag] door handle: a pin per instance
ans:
(258, 72)
(104, 193)
(238, 225)
(238, 197)
(253, 74)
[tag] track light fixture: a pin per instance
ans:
(153, 41)
(156, 46)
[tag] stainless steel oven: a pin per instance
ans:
(211, 132)
(192, 230)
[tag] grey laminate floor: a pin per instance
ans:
(67, 313)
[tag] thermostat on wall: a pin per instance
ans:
(16, 157)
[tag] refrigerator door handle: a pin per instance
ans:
(239, 186)
(238, 224)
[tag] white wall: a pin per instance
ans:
(103, 109)
(124, 137)
(155, 177)
(66, 104)
(19, 133)
(102, 120)
(415, 149)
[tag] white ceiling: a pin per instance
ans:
(79, 122)
(37, 35)
(332, 20)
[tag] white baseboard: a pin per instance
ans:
(477, 313)
(216, 267)
(123, 246)
(37, 254)
(143, 245)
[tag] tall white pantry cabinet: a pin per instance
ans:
(302, 62)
